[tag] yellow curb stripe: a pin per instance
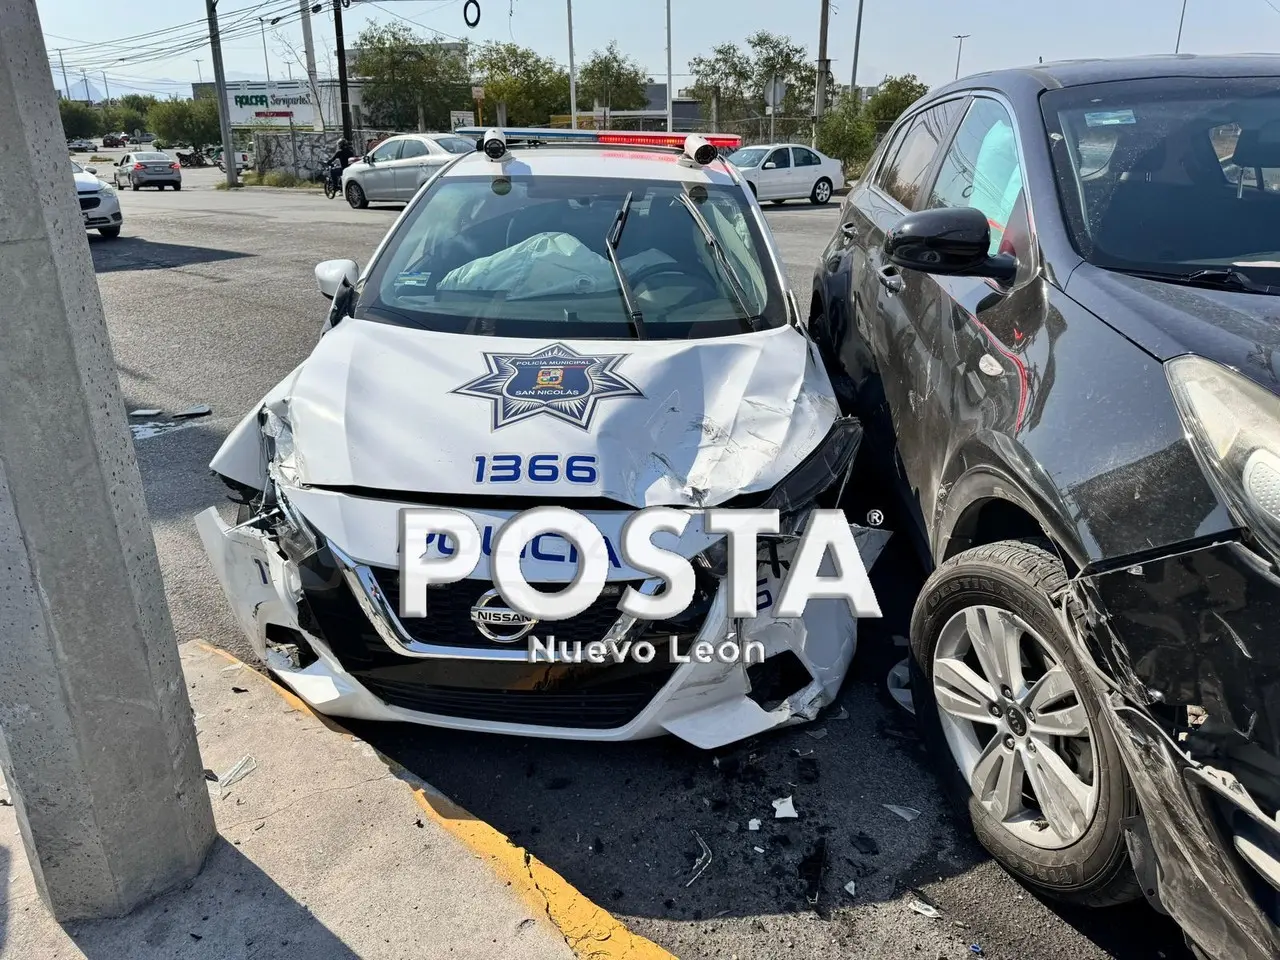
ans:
(590, 931)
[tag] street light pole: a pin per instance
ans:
(959, 48)
(262, 22)
(220, 84)
(670, 93)
(199, 72)
(857, 42)
(1177, 47)
(573, 81)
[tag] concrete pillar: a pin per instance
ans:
(97, 743)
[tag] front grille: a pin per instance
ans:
(595, 708)
(88, 203)
(448, 619)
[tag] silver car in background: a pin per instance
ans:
(395, 169)
(148, 168)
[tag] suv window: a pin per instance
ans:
(903, 175)
(982, 169)
(387, 151)
(806, 158)
(780, 158)
(412, 148)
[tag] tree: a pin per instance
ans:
(407, 78)
(613, 80)
(845, 132)
(79, 119)
(891, 98)
(533, 87)
(729, 72)
(741, 77)
(185, 121)
(141, 102)
(123, 118)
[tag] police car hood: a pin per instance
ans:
(678, 422)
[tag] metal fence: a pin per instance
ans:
(304, 153)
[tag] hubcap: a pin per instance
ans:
(824, 192)
(1016, 726)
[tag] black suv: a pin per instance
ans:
(1051, 299)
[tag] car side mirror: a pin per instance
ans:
(367, 158)
(948, 242)
(115, 163)
(92, 170)
(770, 166)
(332, 274)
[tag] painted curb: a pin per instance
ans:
(590, 931)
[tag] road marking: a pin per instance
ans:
(590, 931)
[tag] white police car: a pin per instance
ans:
(598, 320)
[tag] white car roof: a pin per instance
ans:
(628, 163)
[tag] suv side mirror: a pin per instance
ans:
(769, 166)
(949, 242)
(367, 158)
(332, 274)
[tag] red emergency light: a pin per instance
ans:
(724, 142)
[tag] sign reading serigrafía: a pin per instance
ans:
(254, 104)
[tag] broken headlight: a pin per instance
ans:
(828, 464)
(277, 443)
(1234, 427)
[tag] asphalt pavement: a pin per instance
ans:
(210, 299)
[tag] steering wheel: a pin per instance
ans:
(656, 270)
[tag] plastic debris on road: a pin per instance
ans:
(926, 909)
(784, 808)
(753, 824)
(242, 768)
(906, 813)
(842, 714)
(899, 683)
(851, 888)
(198, 410)
(817, 734)
(758, 849)
(704, 858)
(149, 412)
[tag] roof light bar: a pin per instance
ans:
(723, 142)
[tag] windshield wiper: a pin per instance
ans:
(611, 247)
(1219, 278)
(717, 249)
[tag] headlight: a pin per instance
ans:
(1234, 426)
(104, 187)
(827, 464)
(277, 441)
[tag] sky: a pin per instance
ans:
(898, 36)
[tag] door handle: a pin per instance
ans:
(848, 229)
(890, 279)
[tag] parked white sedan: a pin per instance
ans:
(398, 166)
(789, 171)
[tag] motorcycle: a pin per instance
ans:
(192, 159)
(332, 180)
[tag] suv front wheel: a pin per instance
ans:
(1009, 713)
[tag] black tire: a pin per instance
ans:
(177, 186)
(356, 197)
(133, 183)
(1020, 576)
(329, 192)
(109, 232)
(160, 187)
(777, 202)
(754, 191)
(821, 193)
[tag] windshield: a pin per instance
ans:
(527, 257)
(457, 144)
(747, 156)
(1171, 176)
(150, 157)
(76, 168)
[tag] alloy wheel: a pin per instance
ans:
(1016, 726)
(822, 191)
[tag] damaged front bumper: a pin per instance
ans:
(327, 626)
(1188, 647)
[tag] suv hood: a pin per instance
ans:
(86, 183)
(678, 422)
(1170, 319)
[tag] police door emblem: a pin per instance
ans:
(556, 381)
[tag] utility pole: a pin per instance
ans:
(262, 22)
(715, 108)
(220, 84)
(670, 93)
(857, 42)
(1177, 47)
(99, 749)
(343, 91)
(66, 84)
(308, 44)
(573, 80)
(106, 86)
(85, 76)
(959, 49)
(773, 108)
(824, 68)
(199, 72)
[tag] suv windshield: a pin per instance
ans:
(1171, 176)
(527, 257)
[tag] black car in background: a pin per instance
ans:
(1052, 300)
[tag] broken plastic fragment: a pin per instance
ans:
(149, 412)
(851, 888)
(899, 682)
(906, 813)
(704, 858)
(753, 824)
(243, 767)
(198, 410)
(784, 808)
(817, 734)
(926, 909)
(758, 849)
(842, 715)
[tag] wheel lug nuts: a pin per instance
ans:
(1031, 746)
(1008, 742)
(1006, 693)
(995, 709)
